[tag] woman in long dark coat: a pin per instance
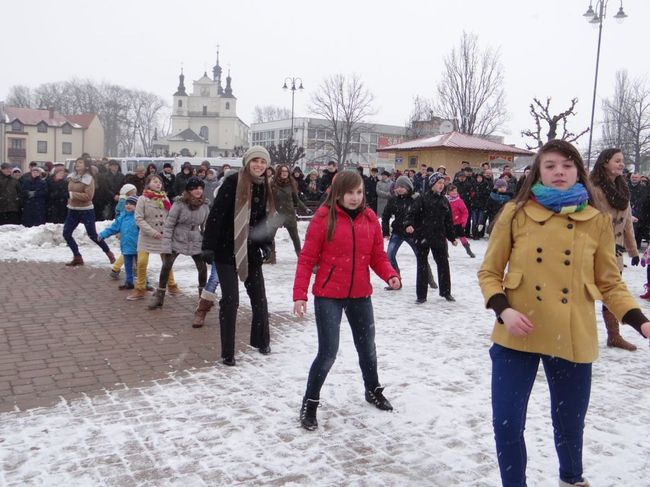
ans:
(57, 208)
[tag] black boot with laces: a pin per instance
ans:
(377, 398)
(308, 414)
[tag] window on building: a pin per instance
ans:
(363, 148)
(285, 134)
(67, 129)
(205, 110)
(42, 128)
(16, 143)
(66, 148)
(374, 138)
(17, 126)
(311, 134)
(227, 105)
(204, 132)
(413, 161)
(41, 147)
(180, 103)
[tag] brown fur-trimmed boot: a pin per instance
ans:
(76, 260)
(614, 338)
(206, 302)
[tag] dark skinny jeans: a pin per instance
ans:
(168, 263)
(328, 323)
(72, 221)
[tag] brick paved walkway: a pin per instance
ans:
(69, 331)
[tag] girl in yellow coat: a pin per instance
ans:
(560, 258)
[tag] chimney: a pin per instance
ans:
(51, 110)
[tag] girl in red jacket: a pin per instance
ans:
(459, 217)
(343, 240)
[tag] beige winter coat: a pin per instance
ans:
(623, 229)
(150, 219)
(552, 267)
(183, 229)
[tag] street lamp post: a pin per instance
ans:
(293, 89)
(596, 16)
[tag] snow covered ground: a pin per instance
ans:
(234, 426)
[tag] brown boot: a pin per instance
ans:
(614, 338)
(76, 260)
(200, 312)
(136, 295)
(174, 290)
(111, 257)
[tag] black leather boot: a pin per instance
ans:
(308, 414)
(377, 398)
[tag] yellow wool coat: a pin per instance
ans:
(557, 266)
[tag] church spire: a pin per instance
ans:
(181, 85)
(216, 73)
(228, 90)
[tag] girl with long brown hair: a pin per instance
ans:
(237, 238)
(285, 196)
(550, 256)
(343, 240)
(612, 196)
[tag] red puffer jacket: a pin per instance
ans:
(343, 262)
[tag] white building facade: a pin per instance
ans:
(315, 136)
(205, 121)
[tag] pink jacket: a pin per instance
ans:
(459, 212)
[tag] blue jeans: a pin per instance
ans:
(213, 280)
(72, 221)
(477, 217)
(513, 376)
(394, 244)
(129, 262)
(328, 323)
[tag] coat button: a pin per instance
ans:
(567, 262)
(539, 250)
(567, 252)
(539, 259)
(542, 223)
(539, 298)
(565, 300)
(570, 226)
(537, 288)
(565, 291)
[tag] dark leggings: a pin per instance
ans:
(168, 263)
(87, 219)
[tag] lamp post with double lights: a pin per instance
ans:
(596, 17)
(293, 89)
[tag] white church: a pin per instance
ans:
(205, 122)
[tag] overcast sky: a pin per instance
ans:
(547, 47)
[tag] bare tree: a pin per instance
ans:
(129, 117)
(471, 90)
(286, 152)
(541, 114)
(268, 113)
(627, 118)
(344, 103)
(422, 110)
(20, 96)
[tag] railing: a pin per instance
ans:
(11, 152)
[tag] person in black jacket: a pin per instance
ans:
(182, 178)
(238, 238)
(168, 179)
(478, 206)
(398, 206)
(57, 207)
(328, 176)
(33, 193)
(429, 221)
(9, 196)
(113, 182)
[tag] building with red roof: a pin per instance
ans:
(40, 135)
(449, 150)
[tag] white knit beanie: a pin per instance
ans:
(256, 151)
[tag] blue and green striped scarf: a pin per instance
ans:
(571, 200)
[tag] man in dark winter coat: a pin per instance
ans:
(328, 177)
(638, 201)
(168, 179)
(478, 206)
(9, 197)
(182, 178)
(112, 183)
(370, 187)
(33, 193)
(430, 223)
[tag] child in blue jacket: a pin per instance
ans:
(125, 225)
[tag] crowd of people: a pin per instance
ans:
(541, 289)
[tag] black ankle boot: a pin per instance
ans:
(377, 398)
(308, 414)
